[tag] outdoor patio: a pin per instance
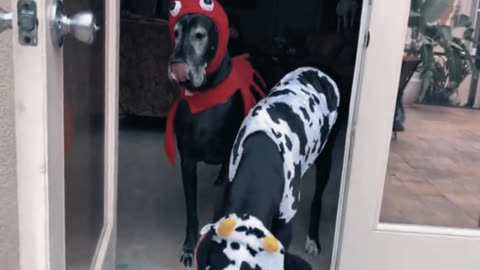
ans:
(433, 175)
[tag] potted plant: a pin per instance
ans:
(445, 60)
(443, 86)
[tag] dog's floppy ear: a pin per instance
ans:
(202, 250)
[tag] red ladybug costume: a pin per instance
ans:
(241, 77)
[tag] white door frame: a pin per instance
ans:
(362, 46)
(38, 78)
(104, 257)
(38, 82)
(365, 243)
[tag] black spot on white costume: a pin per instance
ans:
(302, 108)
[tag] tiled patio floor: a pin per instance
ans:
(433, 175)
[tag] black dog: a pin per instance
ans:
(205, 134)
(278, 141)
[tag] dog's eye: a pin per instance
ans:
(206, 4)
(175, 8)
(175, 33)
(199, 36)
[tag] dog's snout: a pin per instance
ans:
(180, 72)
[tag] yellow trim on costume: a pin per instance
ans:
(271, 244)
(226, 228)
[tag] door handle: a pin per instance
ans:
(5, 20)
(81, 25)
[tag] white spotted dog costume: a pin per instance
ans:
(297, 115)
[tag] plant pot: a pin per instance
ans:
(412, 90)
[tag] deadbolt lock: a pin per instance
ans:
(27, 22)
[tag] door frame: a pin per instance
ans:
(104, 257)
(362, 48)
(38, 83)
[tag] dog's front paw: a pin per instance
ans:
(312, 247)
(187, 258)
(188, 248)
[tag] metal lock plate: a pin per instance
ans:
(27, 22)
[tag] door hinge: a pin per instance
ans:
(27, 22)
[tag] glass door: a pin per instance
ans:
(413, 199)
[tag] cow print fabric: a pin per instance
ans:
(297, 116)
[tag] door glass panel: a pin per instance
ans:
(433, 174)
(84, 139)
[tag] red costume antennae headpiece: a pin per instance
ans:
(213, 10)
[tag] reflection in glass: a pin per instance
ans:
(433, 174)
(84, 97)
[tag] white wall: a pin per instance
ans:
(8, 188)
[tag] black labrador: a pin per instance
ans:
(206, 136)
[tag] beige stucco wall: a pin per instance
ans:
(8, 188)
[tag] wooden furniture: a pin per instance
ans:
(409, 66)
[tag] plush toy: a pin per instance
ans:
(247, 243)
(242, 77)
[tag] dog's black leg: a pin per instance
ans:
(323, 166)
(189, 177)
(220, 201)
(294, 262)
(354, 16)
(223, 173)
(283, 232)
(339, 20)
(345, 22)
